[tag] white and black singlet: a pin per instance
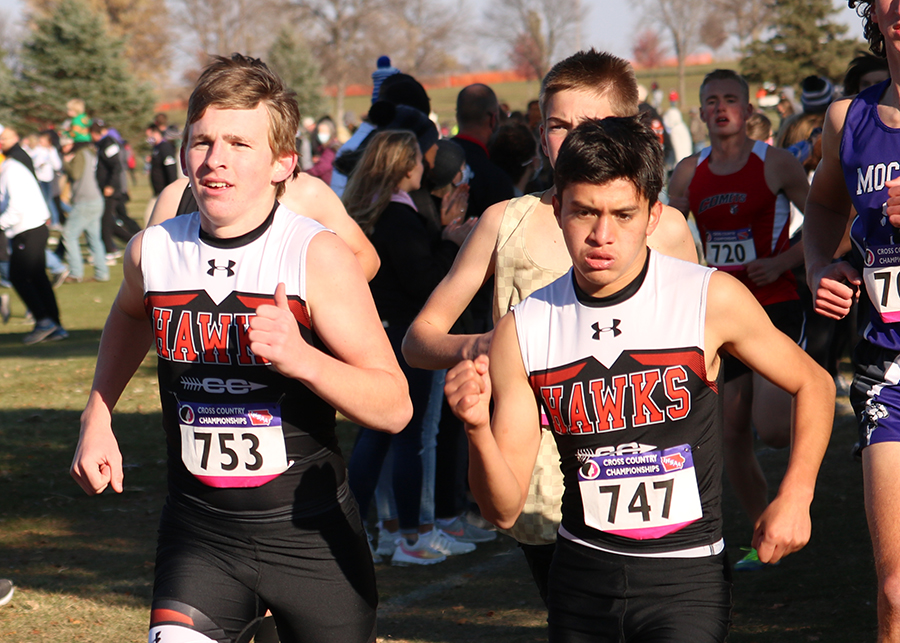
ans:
(623, 381)
(244, 442)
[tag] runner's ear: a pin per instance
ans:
(655, 214)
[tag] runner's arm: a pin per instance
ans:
(828, 209)
(502, 450)
(673, 237)
(166, 205)
(311, 197)
(361, 377)
(678, 184)
(736, 322)
(428, 343)
(126, 338)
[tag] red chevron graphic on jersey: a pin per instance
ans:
(691, 359)
(548, 379)
(296, 306)
(168, 301)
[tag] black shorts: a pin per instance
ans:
(596, 597)
(219, 577)
(786, 316)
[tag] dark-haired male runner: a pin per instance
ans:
(622, 354)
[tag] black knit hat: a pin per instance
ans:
(817, 94)
(386, 116)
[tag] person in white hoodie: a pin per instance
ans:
(23, 219)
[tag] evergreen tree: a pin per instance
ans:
(6, 90)
(806, 41)
(70, 53)
(290, 58)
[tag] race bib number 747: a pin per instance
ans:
(640, 496)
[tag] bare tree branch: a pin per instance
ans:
(548, 26)
(681, 20)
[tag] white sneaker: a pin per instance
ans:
(7, 589)
(447, 545)
(387, 541)
(375, 557)
(419, 553)
(465, 532)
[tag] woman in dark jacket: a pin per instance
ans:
(415, 255)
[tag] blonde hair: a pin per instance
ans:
(76, 104)
(241, 82)
(389, 156)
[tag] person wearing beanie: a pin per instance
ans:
(399, 89)
(386, 116)
(818, 92)
(382, 71)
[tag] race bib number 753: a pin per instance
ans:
(231, 446)
(641, 496)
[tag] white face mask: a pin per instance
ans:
(323, 137)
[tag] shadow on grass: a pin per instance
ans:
(826, 591)
(55, 537)
(81, 343)
(430, 628)
(498, 601)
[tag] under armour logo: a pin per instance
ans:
(614, 329)
(213, 267)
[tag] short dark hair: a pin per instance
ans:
(596, 72)
(600, 151)
(726, 74)
(860, 66)
(871, 32)
(511, 148)
(474, 103)
(242, 82)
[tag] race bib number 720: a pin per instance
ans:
(230, 446)
(730, 249)
(640, 496)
